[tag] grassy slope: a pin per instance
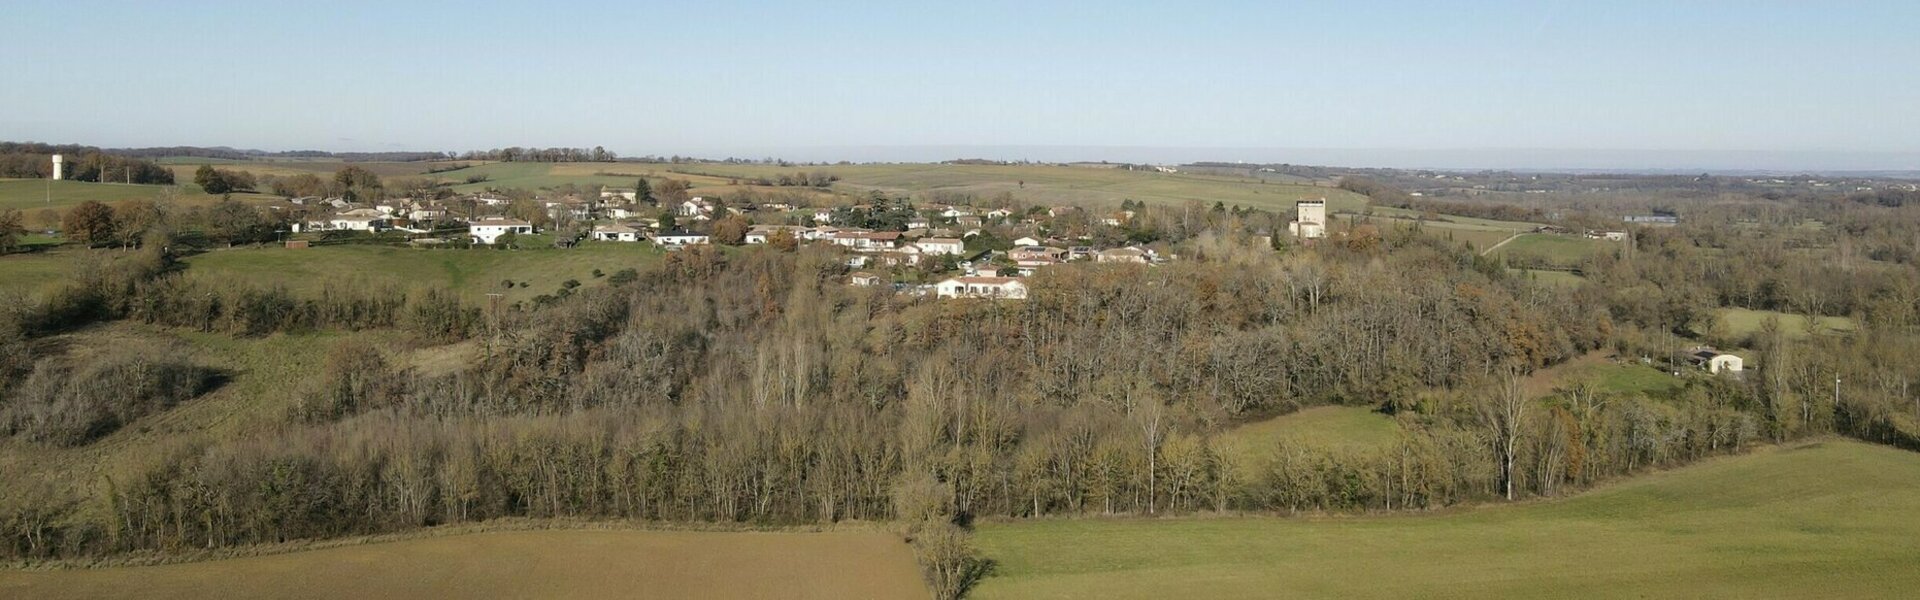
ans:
(31, 272)
(1480, 233)
(265, 377)
(525, 564)
(473, 273)
(1741, 321)
(1837, 519)
(1561, 250)
(1335, 428)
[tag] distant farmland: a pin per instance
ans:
(1091, 187)
(1044, 184)
(32, 195)
(1834, 519)
(524, 564)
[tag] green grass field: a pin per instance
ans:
(1554, 249)
(1836, 519)
(1609, 374)
(1742, 322)
(1331, 427)
(1481, 234)
(31, 195)
(473, 273)
(1628, 378)
(31, 272)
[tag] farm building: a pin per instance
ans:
(1716, 362)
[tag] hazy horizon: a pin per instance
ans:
(1506, 84)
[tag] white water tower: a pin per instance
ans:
(58, 163)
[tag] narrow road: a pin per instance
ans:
(1502, 243)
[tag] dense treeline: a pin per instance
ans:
(218, 152)
(519, 154)
(35, 161)
(754, 386)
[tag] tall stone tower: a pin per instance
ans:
(59, 168)
(1311, 219)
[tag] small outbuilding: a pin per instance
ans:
(1715, 361)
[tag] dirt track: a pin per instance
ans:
(524, 564)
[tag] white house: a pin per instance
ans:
(492, 200)
(694, 208)
(863, 278)
(999, 213)
(823, 216)
(1027, 241)
(937, 246)
(1121, 255)
(360, 219)
(954, 212)
(608, 193)
(616, 233)
(486, 231)
(982, 287)
(760, 234)
(679, 238)
(867, 240)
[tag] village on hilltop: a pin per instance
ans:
(970, 251)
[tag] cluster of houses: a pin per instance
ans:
(983, 277)
(404, 214)
(940, 233)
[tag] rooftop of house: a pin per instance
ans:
(985, 280)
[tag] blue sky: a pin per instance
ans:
(1502, 81)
